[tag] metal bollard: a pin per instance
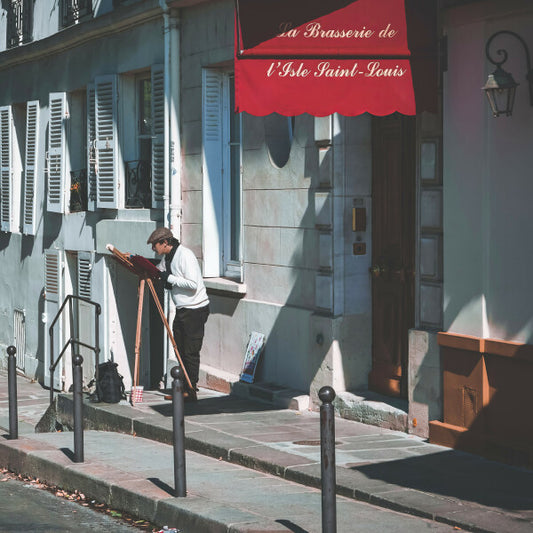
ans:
(77, 378)
(327, 459)
(178, 426)
(12, 392)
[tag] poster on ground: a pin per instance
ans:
(251, 357)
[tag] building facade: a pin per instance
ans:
(118, 118)
(486, 339)
(361, 247)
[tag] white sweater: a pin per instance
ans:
(188, 289)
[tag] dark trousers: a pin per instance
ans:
(188, 331)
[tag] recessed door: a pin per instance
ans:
(393, 238)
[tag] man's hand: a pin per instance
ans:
(164, 278)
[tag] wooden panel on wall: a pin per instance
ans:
(486, 384)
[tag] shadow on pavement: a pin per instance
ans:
(215, 405)
(459, 475)
(162, 485)
(291, 526)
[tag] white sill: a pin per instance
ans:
(225, 285)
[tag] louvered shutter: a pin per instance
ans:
(30, 167)
(52, 276)
(85, 264)
(6, 166)
(212, 133)
(91, 151)
(57, 139)
(53, 286)
(158, 136)
(107, 168)
(85, 323)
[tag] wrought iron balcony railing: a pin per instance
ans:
(78, 190)
(19, 22)
(139, 184)
(72, 11)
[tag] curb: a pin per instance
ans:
(284, 465)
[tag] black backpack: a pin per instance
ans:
(109, 385)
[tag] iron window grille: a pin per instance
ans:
(139, 184)
(72, 11)
(78, 190)
(19, 22)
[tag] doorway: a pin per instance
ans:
(393, 250)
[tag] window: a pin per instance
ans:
(139, 170)
(278, 137)
(72, 11)
(222, 190)
(144, 138)
(19, 22)
(66, 158)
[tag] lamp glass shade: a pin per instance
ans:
(500, 90)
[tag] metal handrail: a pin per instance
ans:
(72, 340)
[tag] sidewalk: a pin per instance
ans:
(254, 468)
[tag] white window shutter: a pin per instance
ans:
(85, 265)
(53, 290)
(6, 167)
(212, 134)
(52, 276)
(57, 141)
(159, 123)
(91, 151)
(107, 168)
(30, 167)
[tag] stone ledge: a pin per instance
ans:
(276, 395)
(373, 409)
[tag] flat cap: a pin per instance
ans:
(159, 234)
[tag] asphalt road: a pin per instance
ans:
(26, 507)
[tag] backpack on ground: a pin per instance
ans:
(110, 384)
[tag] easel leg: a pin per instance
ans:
(169, 331)
(138, 339)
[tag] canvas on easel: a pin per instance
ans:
(251, 357)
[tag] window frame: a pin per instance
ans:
(220, 172)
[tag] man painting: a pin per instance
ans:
(182, 276)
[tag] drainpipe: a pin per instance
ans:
(174, 123)
(172, 144)
(172, 187)
(166, 62)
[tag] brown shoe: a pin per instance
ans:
(188, 396)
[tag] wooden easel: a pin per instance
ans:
(146, 272)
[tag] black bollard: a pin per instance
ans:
(178, 426)
(12, 392)
(327, 459)
(77, 397)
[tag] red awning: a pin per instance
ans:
(317, 57)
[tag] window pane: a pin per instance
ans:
(235, 156)
(145, 94)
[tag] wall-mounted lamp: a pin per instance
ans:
(501, 86)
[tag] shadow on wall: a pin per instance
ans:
(302, 338)
(5, 238)
(42, 337)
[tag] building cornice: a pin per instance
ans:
(120, 19)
